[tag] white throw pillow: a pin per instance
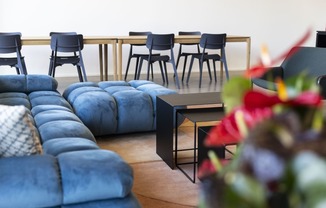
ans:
(18, 136)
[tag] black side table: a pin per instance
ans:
(167, 107)
(196, 116)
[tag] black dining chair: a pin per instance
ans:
(160, 42)
(185, 54)
(210, 44)
(10, 43)
(137, 56)
(66, 49)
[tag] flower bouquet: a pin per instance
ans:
(281, 154)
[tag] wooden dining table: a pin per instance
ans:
(117, 54)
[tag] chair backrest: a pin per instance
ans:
(213, 41)
(63, 33)
(132, 33)
(309, 59)
(67, 42)
(160, 41)
(10, 42)
(189, 33)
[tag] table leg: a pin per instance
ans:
(106, 69)
(164, 131)
(100, 52)
(248, 52)
(119, 59)
(114, 61)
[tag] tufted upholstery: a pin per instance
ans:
(73, 171)
(115, 107)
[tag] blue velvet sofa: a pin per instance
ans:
(116, 107)
(72, 171)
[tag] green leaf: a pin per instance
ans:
(244, 191)
(233, 92)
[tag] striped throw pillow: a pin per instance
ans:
(18, 135)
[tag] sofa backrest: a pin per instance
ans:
(27, 83)
(309, 59)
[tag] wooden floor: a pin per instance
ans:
(191, 87)
(155, 184)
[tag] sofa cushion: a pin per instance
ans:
(15, 98)
(30, 181)
(64, 128)
(60, 145)
(27, 83)
(18, 136)
(47, 98)
(135, 111)
(91, 175)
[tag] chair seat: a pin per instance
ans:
(160, 58)
(66, 60)
(215, 57)
(11, 61)
(144, 55)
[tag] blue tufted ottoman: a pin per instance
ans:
(116, 107)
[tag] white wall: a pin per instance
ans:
(278, 23)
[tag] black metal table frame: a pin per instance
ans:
(166, 115)
(206, 115)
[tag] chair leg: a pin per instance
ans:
(53, 71)
(184, 68)
(190, 67)
(136, 68)
(139, 68)
(209, 70)
(83, 70)
(214, 66)
(166, 73)
(176, 77)
(152, 71)
(127, 68)
(24, 69)
(50, 68)
(225, 64)
(162, 72)
(201, 63)
(17, 70)
(79, 73)
(179, 56)
(148, 70)
(226, 70)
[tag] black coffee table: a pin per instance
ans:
(167, 108)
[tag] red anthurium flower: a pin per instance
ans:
(206, 168)
(261, 68)
(227, 131)
(224, 132)
(308, 98)
(256, 99)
